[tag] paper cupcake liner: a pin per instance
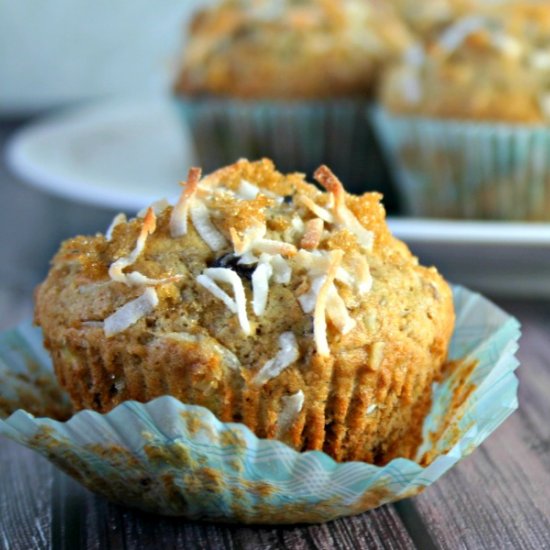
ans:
(298, 135)
(462, 169)
(175, 459)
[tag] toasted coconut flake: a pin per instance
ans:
(260, 286)
(116, 270)
(319, 315)
(338, 313)
(316, 261)
(225, 275)
(291, 406)
(288, 353)
(136, 278)
(253, 241)
(117, 267)
(205, 228)
(218, 292)
(158, 208)
(343, 215)
(319, 211)
(282, 272)
(309, 299)
(247, 190)
(332, 184)
(345, 277)
(248, 258)
(270, 246)
(130, 313)
(361, 269)
(295, 229)
(312, 236)
(117, 220)
(178, 219)
(243, 244)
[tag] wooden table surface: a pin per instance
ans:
(497, 498)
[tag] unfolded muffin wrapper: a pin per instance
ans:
(299, 135)
(467, 170)
(175, 459)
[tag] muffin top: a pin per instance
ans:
(492, 66)
(289, 49)
(429, 17)
(269, 267)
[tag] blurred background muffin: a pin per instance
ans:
(465, 117)
(289, 80)
(429, 17)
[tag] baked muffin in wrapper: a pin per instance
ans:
(170, 458)
(465, 117)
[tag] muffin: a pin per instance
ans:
(263, 299)
(289, 80)
(465, 117)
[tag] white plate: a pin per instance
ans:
(120, 154)
(125, 154)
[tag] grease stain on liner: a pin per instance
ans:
(174, 459)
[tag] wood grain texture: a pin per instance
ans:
(500, 496)
(25, 503)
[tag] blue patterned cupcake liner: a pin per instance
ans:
(299, 135)
(467, 169)
(175, 459)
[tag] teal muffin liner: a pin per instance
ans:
(472, 170)
(298, 135)
(175, 459)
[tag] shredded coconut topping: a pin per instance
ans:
(205, 228)
(247, 190)
(253, 241)
(130, 313)
(237, 305)
(343, 215)
(178, 219)
(260, 285)
(319, 211)
(116, 270)
(319, 315)
(291, 406)
(282, 272)
(288, 353)
(309, 299)
(313, 234)
(363, 277)
(337, 311)
(117, 220)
